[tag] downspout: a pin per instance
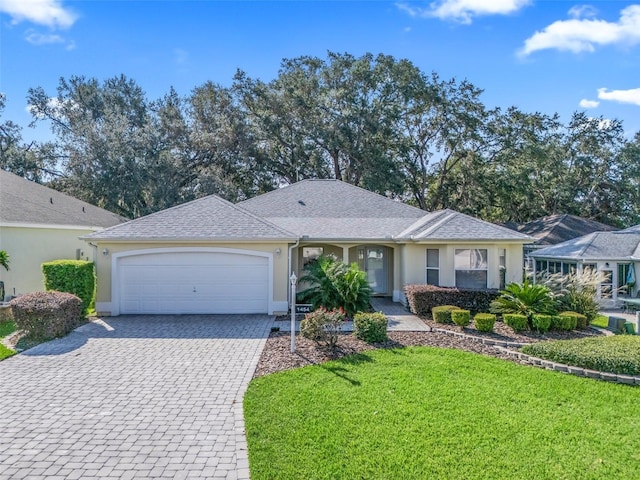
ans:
(95, 252)
(289, 266)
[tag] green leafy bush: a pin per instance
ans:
(370, 327)
(581, 320)
(484, 322)
(72, 276)
(525, 299)
(516, 321)
(541, 323)
(334, 284)
(422, 298)
(323, 326)
(615, 354)
(576, 293)
(565, 322)
(461, 318)
(442, 313)
(47, 315)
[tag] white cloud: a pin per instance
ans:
(583, 11)
(585, 103)
(583, 35)
(49, 13)
(464, 11)
(36, 38)
(631, 96)
(53, 104)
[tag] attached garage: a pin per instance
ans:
(197, 281)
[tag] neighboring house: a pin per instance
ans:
(39, 224)
(211, 256)
(611, 253)
(554, 229)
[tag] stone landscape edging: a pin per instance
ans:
(506, 347)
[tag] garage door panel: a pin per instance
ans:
(203, 282)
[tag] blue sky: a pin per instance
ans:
(546, 56)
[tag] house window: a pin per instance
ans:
(433, 266)
(503, 268)
(606, 286)
(310, 254)
(623, 271)
(471, 267)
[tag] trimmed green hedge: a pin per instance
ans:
(484, 322)
(581, 320)
(615, 354)
(442, 313)
(370, 327)
(72, 276)
(461, 318)
(516, 321)
(541, 323)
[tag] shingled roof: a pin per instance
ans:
(23, 202)
(208, 218)
(555, 229)
(619, 245)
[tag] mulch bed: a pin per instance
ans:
(276, 355)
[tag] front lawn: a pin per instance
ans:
(6, 328)
(601, 321)
(426, 412)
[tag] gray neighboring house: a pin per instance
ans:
(39, 224)
(211, 256)
(614, 253)
(555, 229)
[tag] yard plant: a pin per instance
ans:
(370, 327)
(426, 412)
(525, 299)
(323, 326)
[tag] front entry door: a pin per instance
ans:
(373, 260)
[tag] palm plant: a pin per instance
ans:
(4, 259)
(333, 285)
(525, 299)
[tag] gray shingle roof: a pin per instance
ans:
(619, 245)
(208, 218)
(555, 229)
(452, 225)
(26, 202)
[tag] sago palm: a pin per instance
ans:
(526, 299)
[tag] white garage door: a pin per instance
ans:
(193, 282)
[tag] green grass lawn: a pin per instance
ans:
(422, 412)
(6, 328)
(601, 321)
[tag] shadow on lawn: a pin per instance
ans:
(340, 371)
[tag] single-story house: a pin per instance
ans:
(554, 229)
(614, 253)
(211, 256)
(39, 224)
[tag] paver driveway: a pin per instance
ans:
(132, 397)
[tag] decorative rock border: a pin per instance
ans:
(505, 347)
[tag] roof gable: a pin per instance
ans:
(554, 229)
(208, 218)
(25, 202)
(621, 245)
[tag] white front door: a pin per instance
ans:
(374, 261)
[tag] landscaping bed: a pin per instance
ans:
(276, 355)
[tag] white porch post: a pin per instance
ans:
(345, 255)
(293, 280)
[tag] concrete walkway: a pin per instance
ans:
(399, 319)
(132, 397)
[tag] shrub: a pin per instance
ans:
(576, 293)
(47, 315)
(323, 326)
(615, 354)
(461, 318)
(541, 323)
(484, 322)
(422, 298)
(72, 276)
(525, 299)
(442, 313)
(516, 321)
(565, 322)
(581, 320)
(370, 327)
(334, 284)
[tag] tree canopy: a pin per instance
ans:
(373, 121)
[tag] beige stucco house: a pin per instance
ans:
(211, 256)
(39, 224)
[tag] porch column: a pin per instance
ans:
(345, 255)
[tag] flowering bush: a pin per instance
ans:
(323, 326)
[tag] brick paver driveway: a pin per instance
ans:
(133, 397)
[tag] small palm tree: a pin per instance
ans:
(526, 299)
(4, 259)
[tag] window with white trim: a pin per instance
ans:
(433, 266)
(471, 267)
(310, 254)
